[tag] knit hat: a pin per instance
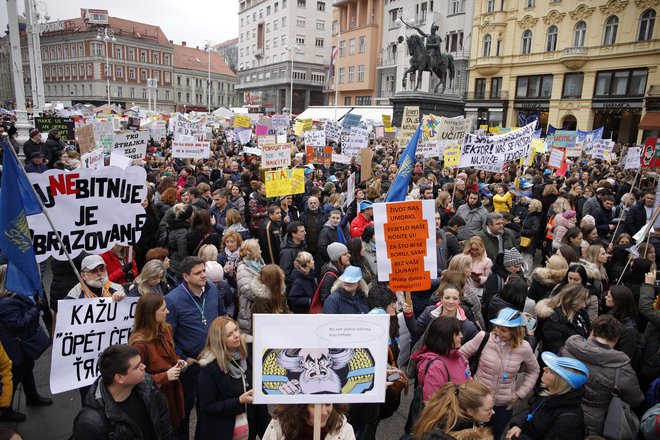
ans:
(512, 257)
(34, 132)
(336, 250)
(214, 271)
(569, 214)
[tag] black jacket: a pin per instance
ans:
(31, 146)
(303, 288)
(53, 147)
(635, 218)
(327, 236)
(326, 283)
(554, 328)
(557, 418)
(288, 255)
(270, 254)
(101, 418)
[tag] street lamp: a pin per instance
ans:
(106, 35)
(208, 47)
(402, 22)
(292, 48)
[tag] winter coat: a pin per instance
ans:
(590, 206)
(475, 220)
(238, 203)
(177, 243)
(555, 418)
(544, 279)
(491, 242)
(102, 419)
(327, 236)
(628, 340)
(270, 241)
(554, 328)
(32, 167)
(246, 295)
(313, 222)
(63, 279)
(53, 147)
(19, 317)
(651, 351)
(370, 256)
(499, 366)
(530, 227)
(358, 224)
(418, 326)
(603, 219)
(341, 302)
(302, 291)
(603, 362)
(158, 356)
(462, 431)
(345, 432)
(329, 274)
(6, 384)
(288, 255)
(263, 299)
(196, 238)
(562, 225)
(436, 376)
(258, 206)
(218, 403)
(114, 267)
(30, 146)
(635, 218)
(482, 268)
(220, 215)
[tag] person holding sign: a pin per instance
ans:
(297, 422)
(95, 281)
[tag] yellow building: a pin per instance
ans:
(583, 64)
(356, 32)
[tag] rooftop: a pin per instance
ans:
(186, 57)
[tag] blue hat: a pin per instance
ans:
(332, 179)
(527, 185)
(509, 317)
(309, 171)
(561, 365)
(352, 274)
(366, 204)
(547, 171)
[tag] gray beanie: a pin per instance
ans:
(512, 257)
(336, 250)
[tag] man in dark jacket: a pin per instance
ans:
(53, 147)
(270, 236)
(496, 238)
(123, 403)
(603, 216)
(36, 163)
(33, 144)
(641, 213)
(329, 234)
(295, 244)
(313, 218)
(452, 229)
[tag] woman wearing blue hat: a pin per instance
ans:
(557, 412)
(349, 294)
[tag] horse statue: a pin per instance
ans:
(420, 62)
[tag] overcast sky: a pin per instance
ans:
(192, 21)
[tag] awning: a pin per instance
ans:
(650, 121)
(328, 113)
(373, 113)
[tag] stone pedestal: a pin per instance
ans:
(429, 103)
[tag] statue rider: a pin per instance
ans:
(433, 42)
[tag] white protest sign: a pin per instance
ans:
(332, 131)
(428, 149)
(633, 159)
(281, 139)
(266, 139)
(93, 159)
(157, 130)
(191, 149)
(276, 156)
(119, 160)
(104, 134)
(490, 153)
(341, 158)
(315, 138)
(92, 209)
(280, 123)
(133, 145)
(187, 130)
(346, 353)
(357, 139)
(350, 189)
(84, 328)
(244, 136)
(452, 128)
(556, 158)
(252, 150)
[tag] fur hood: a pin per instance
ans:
(362, 286)
(481, 433)
(543, 309)
(592, 270)
(548, 276)
(260, 290)
(206, 359)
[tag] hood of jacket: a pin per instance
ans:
(330, 225)
(548, 276)
(593, 352)
(592, 270)
(206, 359)
(177, 223)
(476, 433)
(260, 290)
(543, 309)
(292, 245)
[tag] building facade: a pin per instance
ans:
(283, 45)
(574, 65)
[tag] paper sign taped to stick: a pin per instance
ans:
(633, 159)
(284, 182)
(320, 358)
(191, 149)
(276, 156)
(86, 140)
(242, 121)
(409, 123)
(84, 328)
(93, 159)
(133, 145)
(315, 138)
(406, 244)
(92, 209)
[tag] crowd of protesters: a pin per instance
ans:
(543, 298)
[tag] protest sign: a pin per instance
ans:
(133, 145)
(491, 153)
(387, 120)
(602, 149)
(452, 128)
(84, 328)
(275, 156)
(633, 159)
(242, 121)
(428, 149)
(557, 158)
(86, 140)
(191, 149)
(341, 158)
(357, 139)
(133, 123)
(104, 134)
(655, 162)
(251, 150)
(119, 160)
(332, 131)
(409, 123)
(261, 130)
(243, 136)
(648, 152)
(452, 155)
(315, 138)
(298, 128)
(157, 130)
(266, 139)
(319, 155)
(93, 159)
(351, 120)
(405, 244)
(366, 157)
(187, 130)
(350, 189)
(280, 123)
(92, 209)
(320, 358)
(65, 125)
(284, 182)
(307, 124)
(565, 139)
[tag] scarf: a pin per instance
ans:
(255, 265)
(232, 257)
(237, 366)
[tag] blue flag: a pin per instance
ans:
(17, 201)
(399, 188)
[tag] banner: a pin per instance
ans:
(556, 159)
(633, 159)
(406, 244)
(452, 155)
(242, 121)
(280, 123)
(357, 139)
(86, 141)
(266, 139)
(409, 123)
(276, 156)
(84, 328)
(490, 153)
(284, 182)
(93, 159)
(133, 145)
(191, 149)
(351, 120)
(649, 151)
(452, 128)
(65, 125)
(565, 139)
(92, 209)
(319, 155)
(320, 358)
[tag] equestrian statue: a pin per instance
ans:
(429, 58)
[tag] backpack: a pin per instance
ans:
(316, 307)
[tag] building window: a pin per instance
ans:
(342, 72)
(320, 6)
(526, 47)
(131, 54)
(480, 88)
(319, 42)
(646, 22)
(490, 5)
(363, 45)
(143, 75)
(302, 3)
(156, 59)
(361, 73)
(393, 15)
(455, 7)
(131, 74)
(551, 39)
(342, 48)
(320, 25)
(530, 3)
(579, 34)
(351, 74)
(267, 10)
(495, 88)
(621, 83)
(539, 86)
(363, 100)
(118, 53)
(486, 46)
(351, 46)
(300, 22)
(300, 40)
(347, 100)
(611, 26)
(421, 13)
(120, 92)
(119, 72)
(572, 85)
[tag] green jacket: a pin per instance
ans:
(490, 242)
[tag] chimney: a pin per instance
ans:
(171, 41)
(197, 47)
(183, 43)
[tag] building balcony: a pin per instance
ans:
(487, 66)
(387, 61)
(574, 57)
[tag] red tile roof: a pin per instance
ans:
(128, 29)
(186, 57)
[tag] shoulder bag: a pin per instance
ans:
(474, 360)
(621, 423)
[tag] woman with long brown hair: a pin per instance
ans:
(297, 422)
(152, 336)
(269, 289)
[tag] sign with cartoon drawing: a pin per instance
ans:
(320, 358)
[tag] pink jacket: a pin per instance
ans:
(437, 375)
(499, 366)
(482, 268)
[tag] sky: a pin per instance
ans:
(192, 21)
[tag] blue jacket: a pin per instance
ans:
(341, 302)
(185, 317)
(18, 317)
(220, 217)
(302, 291)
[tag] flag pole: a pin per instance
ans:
(623, 208)
(45, 212)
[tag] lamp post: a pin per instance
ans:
(17, 72)
(208, 48)
(402, 22)
(106, 35)
(292, 48)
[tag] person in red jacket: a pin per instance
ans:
(363, 219)
(120, 270)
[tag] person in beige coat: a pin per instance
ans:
(297, 422)
(248, 268)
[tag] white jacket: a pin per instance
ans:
(274, 432)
